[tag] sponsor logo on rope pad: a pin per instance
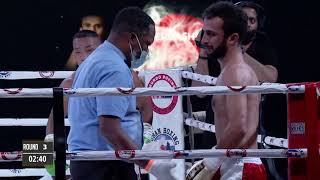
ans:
(293, 152)
(15, 171)
(5, 74)
(125, 154)
(236, 153)
(10, 156)
(13, 91)
(46, 74)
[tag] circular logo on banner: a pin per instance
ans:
(166, 103)
(46, 74)
(5, 74)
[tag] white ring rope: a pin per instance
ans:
(44, 121)
(209, 79)
(186, 72)
(27, 122)
(279, 142)
(22, 75)
(23, 172)
(155, 91)
(199, 77)
(198, 115)
(165, 154)
(194, 122)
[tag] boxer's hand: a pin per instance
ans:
(213, 164)
(161, 169)
(204, 169)
(49, 138)
(202, 54)
(147, 132)
(199, 172)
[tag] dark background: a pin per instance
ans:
(36, 35)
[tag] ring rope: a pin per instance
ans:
(279, 142)
(165, 154)
(22, 75)
(198, 115)
(155, 91)
(25, 172)
(186, 72)
(27, 122)
(199, 77)
(274, 141)
(208, 79)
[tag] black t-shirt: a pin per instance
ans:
(262, 51)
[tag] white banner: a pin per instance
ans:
(167, 115)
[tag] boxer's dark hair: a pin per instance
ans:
(85, 33)
(132, 19)
(234, 19)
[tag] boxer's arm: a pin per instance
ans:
(66, 83)
(236, 111)
(265, 73)
(72, 62)
(234, 133)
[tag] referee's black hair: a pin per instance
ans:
(132, 19)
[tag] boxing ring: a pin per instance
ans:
(301, 148)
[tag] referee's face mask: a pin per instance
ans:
(137, 59)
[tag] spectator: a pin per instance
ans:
(92, 22)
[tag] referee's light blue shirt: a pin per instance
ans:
(104, 68)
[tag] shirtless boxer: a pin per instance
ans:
(236, 116)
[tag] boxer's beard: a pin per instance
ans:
(220, 51)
